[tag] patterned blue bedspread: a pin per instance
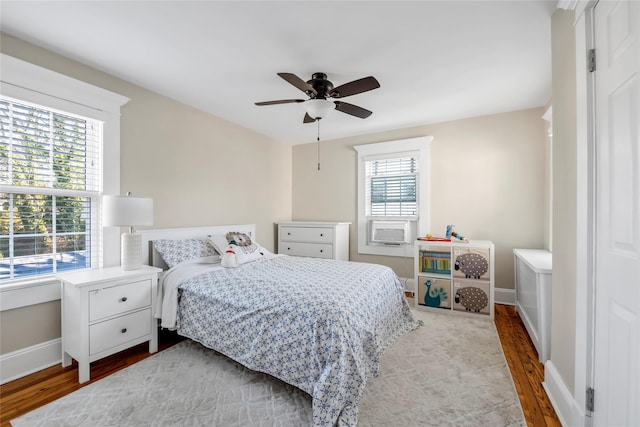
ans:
(320, 325)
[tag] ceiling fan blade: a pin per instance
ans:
(281, 101)
(357, 86)
(308, 118)
(354, 110)
(299, 83)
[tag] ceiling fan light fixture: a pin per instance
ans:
(318, 108)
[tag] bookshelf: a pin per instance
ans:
(455, 277)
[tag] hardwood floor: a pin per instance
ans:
(25, 394)
(526, 370)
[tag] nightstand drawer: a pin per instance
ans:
(114, 332)
(114, 300)
(307, 234)
(317, 250)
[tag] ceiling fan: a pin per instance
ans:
(319, 89)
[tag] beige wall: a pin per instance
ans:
(563, 313)
(199, 169)
(18, 330)
(487, 178)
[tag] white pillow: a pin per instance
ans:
(219, 242)
(238, 249)
(235, 255)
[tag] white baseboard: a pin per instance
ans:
(504, 296)
(20, 363)
(568, 411)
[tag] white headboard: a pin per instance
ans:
(188, 233)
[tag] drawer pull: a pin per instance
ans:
(321, 251)
(288, 234)
(288, 249)
(124, 330)
(123, 299)
(321, 234)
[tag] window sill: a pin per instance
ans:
(24, 293)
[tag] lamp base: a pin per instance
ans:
(131, 251)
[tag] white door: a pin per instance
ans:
(617, 321)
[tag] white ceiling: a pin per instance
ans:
(435, 60)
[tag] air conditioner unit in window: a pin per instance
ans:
(389, 232)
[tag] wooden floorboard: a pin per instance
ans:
(28, 393)
(527, 372)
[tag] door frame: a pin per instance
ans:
(571, 405)
(585, 209)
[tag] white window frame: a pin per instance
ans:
(413, 146)
(22, 80)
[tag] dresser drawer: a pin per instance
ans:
(317, 250)
(114, 332)
(114, 300)
(307, 234)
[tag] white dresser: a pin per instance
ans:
(314, 239)
(533, 296)
(105, 311)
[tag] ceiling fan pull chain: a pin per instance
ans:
(318, 120)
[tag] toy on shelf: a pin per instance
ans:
(452, 234)
(430, 238)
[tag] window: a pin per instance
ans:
(59, 150)
(392, 187)
(393, 196)
(50, 176)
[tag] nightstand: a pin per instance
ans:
(105, 311)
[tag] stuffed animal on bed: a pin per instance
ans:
(240, 250)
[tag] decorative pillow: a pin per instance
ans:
(235, 256)
(219, 242)
(174, 252)
(239, 249)
(241, 240)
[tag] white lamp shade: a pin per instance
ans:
(126, 211)
(318, 108)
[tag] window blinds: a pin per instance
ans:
(50, 183)
(392, 187)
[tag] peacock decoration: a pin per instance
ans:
(434, 297)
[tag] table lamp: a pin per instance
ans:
(127, 211)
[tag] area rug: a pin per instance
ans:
(449, 372)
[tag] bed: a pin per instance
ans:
(320, 325)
